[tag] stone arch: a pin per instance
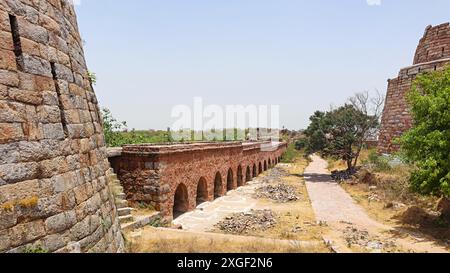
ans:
(218, 192)
(265, 165)
(255, 172)
(230, 180)
(202, 191)
(248, 174)
(270, 163)
(260, 169)
(180, 200)
(240, 177)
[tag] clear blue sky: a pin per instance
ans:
(150, 55)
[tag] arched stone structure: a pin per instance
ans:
(240, 177)
(248, 174)
(230, 180)
(218, 186)
(152, 173)
(181, 200)
(202, 191)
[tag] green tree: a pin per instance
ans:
(340, 133)
(427, 144)
(112, 128)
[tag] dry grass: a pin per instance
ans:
(152, 240)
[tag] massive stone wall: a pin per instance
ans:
(433, 53)
(179, 177)
(54, 172)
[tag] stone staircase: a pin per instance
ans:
(123, 209)
(128, 221)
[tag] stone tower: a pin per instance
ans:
(54, 172)
(433, 53)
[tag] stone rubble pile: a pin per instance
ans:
(340, 176)
(281, 193)
(243, 223)
(362, 238)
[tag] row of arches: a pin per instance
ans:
(181, 196)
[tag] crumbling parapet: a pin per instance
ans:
(433, 53)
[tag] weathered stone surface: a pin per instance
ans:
(53, 131)
(60, 222)
(9, 78)
(36, 65)
(10, 132)
(25, 96)
(12, 173)
(47, 186)
(432, 54)
(7, 60)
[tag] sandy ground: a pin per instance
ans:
(347, 220)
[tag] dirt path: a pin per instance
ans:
(351, 229)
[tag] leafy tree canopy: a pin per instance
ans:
(427, 144)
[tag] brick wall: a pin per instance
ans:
(433, 53)
(152, 174)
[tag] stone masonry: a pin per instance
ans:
(177, 178)
(433, 53)
(54, 171)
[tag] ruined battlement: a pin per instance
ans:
(434, 45)
(54, 171)
(433, 53)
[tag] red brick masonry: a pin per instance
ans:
(176, 178)
(433, 53)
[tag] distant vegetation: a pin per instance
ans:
(117, 134)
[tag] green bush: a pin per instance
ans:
(377, 162)
(427, 144)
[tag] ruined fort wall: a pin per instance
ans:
(154, 176)
(433, 53)
(54, 172)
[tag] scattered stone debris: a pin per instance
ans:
(243, 223)
(395, 206)
(362, 238)
(340, 176)
(373, 197)
(281, 193)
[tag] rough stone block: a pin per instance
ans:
(53, 131)
(9, 78)
(7, 60)
(25, 96)
(36, 65)
(13, 173)
(10, 132)
(60, 222)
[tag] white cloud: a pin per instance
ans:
(373, 2)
